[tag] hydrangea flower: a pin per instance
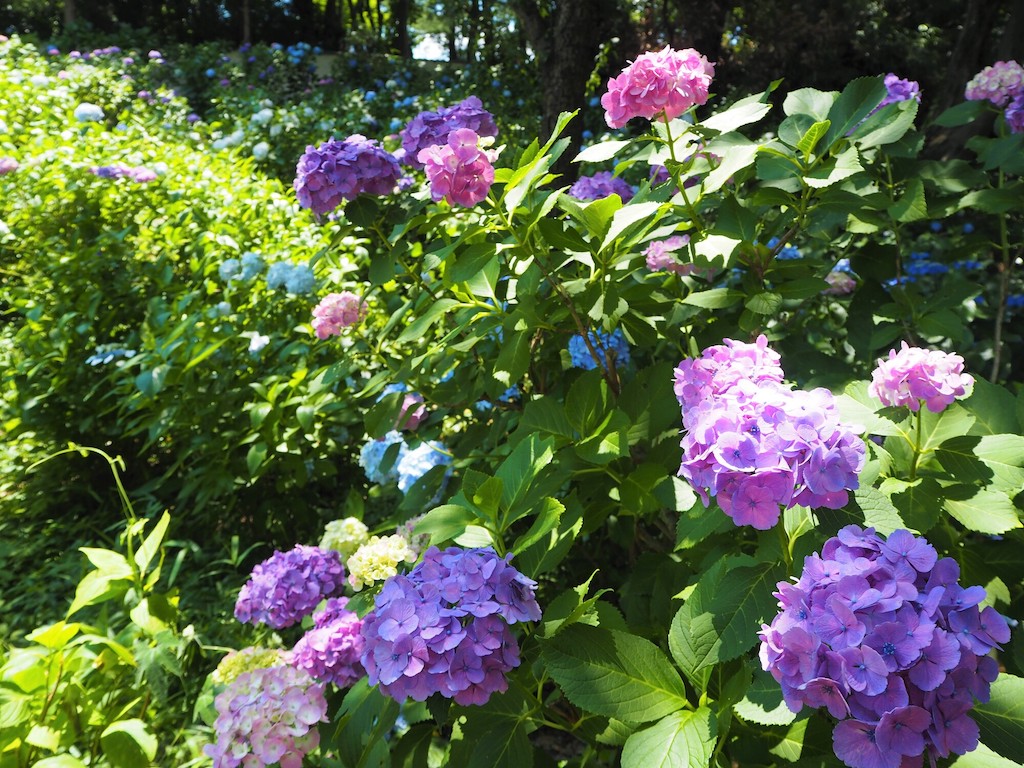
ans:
(344, 536)
(998, 83)
(413, 411)
(613, 344)
(267, 717)
(414, 463)
(658, 83)
(898, 89)
(601, 184)
(755, 444)
(431, 129)
(257, 342)
(342, 170)
(337, 311)
(378, 559)
(444, 628)
(840, 283)
(914, 376)
(459, 171)
(288, 586)
(787, 252)
(108, 353)
(237, 663)
(88, 113)
(297, 279)
(371, 456)
(660, 255)
(1014, 118)
(330, 651)
(880, 633)
(8, 165)
(252, 264)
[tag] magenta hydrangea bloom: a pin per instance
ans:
(601, 184)
(337, 311)
(330, 651)
(431, 129)
(444, 628)
(342, 170)
(267, 717)
(756, 445)
(998, 83)
(914, 376)
(1014, 114)
(459, 171)
(659, 83)
(880, 633)
(289, 585)
(661, 255)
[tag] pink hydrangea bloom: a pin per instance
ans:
(8, 165)
(330, 651)
(661, 255)
(839, 283)
(413, 412)
(914, 375)
(337, 311)
(459, 171)
(998, 83)
(665, 82)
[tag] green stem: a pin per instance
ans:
(1004, 287)
(694, 216)
(916, 445)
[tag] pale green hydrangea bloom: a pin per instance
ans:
(246, 660)
(345, 536)
(378, 559)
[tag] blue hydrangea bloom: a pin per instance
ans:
(229, 269)
(787, 252)
(615, 342)
(277, 274)
(414, 463)
(372, 454)
(252, 265)
(300, 280)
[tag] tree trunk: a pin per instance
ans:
(400, 18)
(246, 23)
(566, 41)
(69, 13)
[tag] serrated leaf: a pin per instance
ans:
(879, 511)
(715, 298)
(695, 645)
(747, 110)
(1001, 718)
(598, 153)
(128, 744)
(495, 735)
(680, 740)
(764, 303)
(763, 703)
(742, 603)
(809, 101)
(614, 674)
(811, 138)
(985, 511)
(911, 206)
(983, 757)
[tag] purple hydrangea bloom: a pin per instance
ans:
(898, 89)
(444, 628)
(601, 184)
(880, 632)
(430, 129)
(342, 170)
(1014, 118)
(998, 83)
(755, 444)
(330, 651)
(914, 376)
(289, 585)
(268, 717)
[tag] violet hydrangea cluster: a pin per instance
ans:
(459, 172)
(444, 627)
(757, 445)
(880, 632)
(330, 651)
(998, 83)
(336, 312)
(342, 170)
(601, 184)
(898, 89)
(267, 717)
(914, 376)
(658, 83)
(289, 585)
(431, 129)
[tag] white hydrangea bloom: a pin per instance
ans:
(378, 559)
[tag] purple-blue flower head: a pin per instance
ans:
(343, 170)
(289, 585)
(431, 129)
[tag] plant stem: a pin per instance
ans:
(916, 445)
(1004, 287)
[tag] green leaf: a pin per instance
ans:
(792, 743)
(59, 761)
(514, 358)
(680, 740)
(445, 523)
(961, 114)
(54, 636)
(694, 644)
(418, 327)
(111, 564)
(628, 215)
(128, 744)
(742, 602)
(879, 511)
(614, 674)
(983, 757)
(985, 511)
(764, 303)
(911, 206)
(747, 110)
(570, 607)
(809, 101)
(207, 351)
(546, 414)
(713, 247)
(844, 166)
(144, 554)
(855, 102)
(918, 503)
(255, 457)
(95, 587)
(737, 152)
(882, 128)
(521, 468)
(763, 703)
(735, 221)
(44, 737)
(811, 138)
(545, 521)
(598, 153)
(1001, 719)
(495, 735)
(714, 298)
